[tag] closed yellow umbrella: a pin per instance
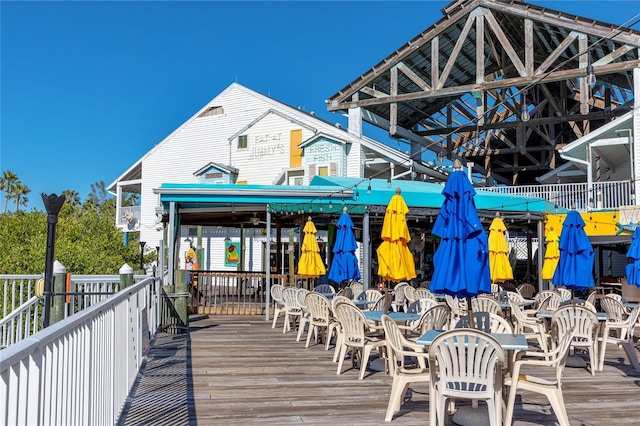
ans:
(395, 261)
(551, 256)
(310, 264)
(499, 265)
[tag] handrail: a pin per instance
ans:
(81, 369)
(12, 328)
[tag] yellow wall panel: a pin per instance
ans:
(295, 153)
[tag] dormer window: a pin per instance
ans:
(242, 142)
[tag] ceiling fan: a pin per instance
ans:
(255, 220)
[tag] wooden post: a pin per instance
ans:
(59, 286)
(126, 276)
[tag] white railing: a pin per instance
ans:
(80, 370)
(21, 321)
(602, 196)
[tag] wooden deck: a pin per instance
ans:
(232, 370)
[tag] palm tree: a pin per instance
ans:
(8, 182)
(20, 195)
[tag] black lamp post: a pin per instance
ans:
(142, 243)
(53, 204)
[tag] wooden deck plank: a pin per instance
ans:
(238, 370)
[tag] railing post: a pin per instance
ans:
(59, 286)
(180, 300)
(126, 276)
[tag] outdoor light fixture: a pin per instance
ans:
(440, 157)
(369, 187)
(591, 74)
(330, 203)
(357, 194)
(388, 182)
(525, 112)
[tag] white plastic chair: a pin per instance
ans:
(552, 389)
(531, 327)
(526, 290)
(305, 317)
(278, 302)
(398, 348)
(410, 294)
(564, 293)
(357, 288)
(485, 303)
(320, 320)
(399, 302)
(486, 322)
(424, 293)
(625, 337)
(586, 326)
(292, 310)
(354, 335)
(435, 318)
(474, 372)
(324, 288)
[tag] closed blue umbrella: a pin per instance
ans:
(575, 266)
(461, 262)
(345, 263)
(633, 267)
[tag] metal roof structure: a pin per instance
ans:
(504, 84)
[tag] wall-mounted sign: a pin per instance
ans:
(231, 253)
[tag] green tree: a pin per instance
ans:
(20, 195)
(7, 184)
(87, 241)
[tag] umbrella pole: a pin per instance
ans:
(470, 313)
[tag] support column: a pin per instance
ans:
(366, 250)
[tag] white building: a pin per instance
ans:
(243, 137)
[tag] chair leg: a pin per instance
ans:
(603, 348)
(312, 329)
(343, 353)
(511, 402)
(557, 403)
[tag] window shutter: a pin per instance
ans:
(333, 169)
(312, 171)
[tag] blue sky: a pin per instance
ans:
(89, 87)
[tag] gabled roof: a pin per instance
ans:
(460, 86)
(221, 167)
(609, 144)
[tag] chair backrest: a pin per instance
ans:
(583, 319)
(458, 306)
(551, 302)
(486, 322)
(424, 293)
(421, 305)
(346, 292)
(526, 290)
(340, 299)
(435, 318)
(564, 293)
(353, 323)
(276, 293)
(613, 308)
(290, 297)
(319, 307)
(463, 373)
(371, 294)
(380, 304)
(301, 294)
(579, 302)
(515, 297)
(357, 288)
(410, 294)
(618, 297)
(495, 288)
(484, 303)
(324, 288)
(399, 297)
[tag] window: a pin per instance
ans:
(242, 142)
(211, 111)
(298, 181)
(323, 171)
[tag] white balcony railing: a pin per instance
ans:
(80, 370)
(602, 196)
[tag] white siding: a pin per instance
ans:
(201, 140)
